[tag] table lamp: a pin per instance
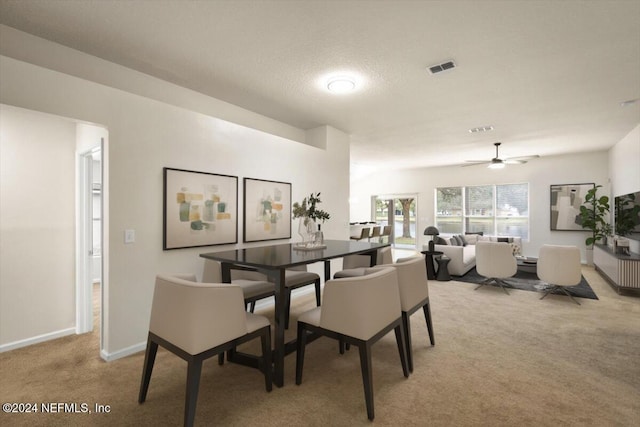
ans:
(431, 231)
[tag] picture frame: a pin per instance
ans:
(267, 210)
(199, 209)
(565, 202)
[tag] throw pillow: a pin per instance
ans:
(460, 240)
(453, 241)
(479, 233)
(503, 239)
(471, 239)
(465, 242)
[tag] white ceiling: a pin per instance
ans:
(548, 75)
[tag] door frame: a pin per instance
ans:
(84, 241)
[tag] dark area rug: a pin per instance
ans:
(530, 282)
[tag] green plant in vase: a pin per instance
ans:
(309, 214)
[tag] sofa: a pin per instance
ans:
(461, 249)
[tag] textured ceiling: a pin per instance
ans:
(548, 75)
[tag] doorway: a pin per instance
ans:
(89, 275)
(399, 211)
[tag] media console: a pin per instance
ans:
(621, 271)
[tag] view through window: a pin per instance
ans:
(501, 210)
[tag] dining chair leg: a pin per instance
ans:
(400, 340)
(221, 358)
(149, 360)
(317, 283)
(265, 340)
(427, 315)
(301, 343)
(406, 326)
(194, 369)
(367, 376)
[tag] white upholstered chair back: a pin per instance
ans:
(412, 281)
(361, 306)
(212, 273)
(384, 256)
(197, 316)
(559, 265)
(495, 260)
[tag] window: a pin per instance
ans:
(501, 210)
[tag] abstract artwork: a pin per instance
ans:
(565, 206)
(200, 209)
(267, 210)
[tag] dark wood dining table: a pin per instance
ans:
(273, 260)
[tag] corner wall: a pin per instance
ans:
(37, 225)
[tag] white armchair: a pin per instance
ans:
(560, 267)
(196, 321)
(496, 262)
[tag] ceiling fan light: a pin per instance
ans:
(496, 165)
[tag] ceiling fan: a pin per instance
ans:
(498, 163)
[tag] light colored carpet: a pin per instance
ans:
(499, 360)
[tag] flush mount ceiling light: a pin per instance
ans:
(341, 84)
(481, 129)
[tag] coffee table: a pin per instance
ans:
(528, 264)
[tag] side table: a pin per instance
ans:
(443, 270)
(431, 269)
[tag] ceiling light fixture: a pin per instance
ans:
(481, 129)
(341, 84)
(496, 164)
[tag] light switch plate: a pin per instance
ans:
(129, 236)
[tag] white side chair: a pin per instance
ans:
(355, 265)
(559, 266)
(358, 311)
(196, 321)
(257, 286)
(414, 295)
(495, 261)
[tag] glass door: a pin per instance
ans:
(399, 211)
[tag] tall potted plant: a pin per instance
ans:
(593, 217)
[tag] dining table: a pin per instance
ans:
(273, 260)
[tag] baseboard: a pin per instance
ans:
(136, 348)
(37, 339)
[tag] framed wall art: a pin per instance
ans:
(200, 209)
(565, 206)
(267, 210)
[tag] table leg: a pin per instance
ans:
(431, 270)
(327, 270)
(279, 343)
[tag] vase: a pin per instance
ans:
(318, 239)
(306, 229)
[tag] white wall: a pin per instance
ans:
(37, 224)
(624, 167)
(146, 135)
(539, 173)
(624, 164)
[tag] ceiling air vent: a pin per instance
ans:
(435, 69)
